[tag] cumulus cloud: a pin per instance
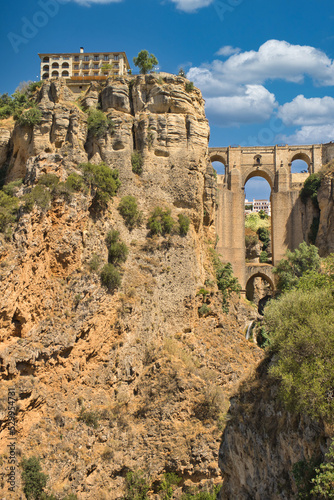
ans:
(88, 3)
(255, 105)
(302, 111)
(234, 88)
(227, 50)
(275, 59)
(191, 5)
(317, 134)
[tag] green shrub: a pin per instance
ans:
(137, 486)
(251, 240)
(310, 189)
(90, 418)
(40, 196)
(264, 236)
(203, 495)
(253, 221)
(166, 486)
(98, 123)
(160, 222)
(189, 86)
(301, 329)
(204, 310)
(61, 190)
(12, 187)
(128, 209)
(226, 281)
(184, 224)
(137, 162)
(48, 180)
(263, 257)
(29, 118)
(34, 480)
(94, 262)
(303, 473)
(102, 181)
(110, 277)
(75, 182)
(323, 482)
(8, 210)
(302, 260)
(117, 250)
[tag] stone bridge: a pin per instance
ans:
(273, 163)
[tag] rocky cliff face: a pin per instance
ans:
(262, 442)
(153, 374)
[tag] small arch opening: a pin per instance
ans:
(65, 65)
(45, 59)
(219, 167)
(65, 74)
(55, 73)
(299, 167)
(45, 76)
(55, 65)
(258, 224)
(46, 67)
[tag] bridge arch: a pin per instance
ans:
(301, 156)
(264, 173)
(264, 276)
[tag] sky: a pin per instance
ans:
(265, 68)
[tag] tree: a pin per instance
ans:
(33, 478)
(302, 260)
(145, 62)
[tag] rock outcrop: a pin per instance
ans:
(151, 373)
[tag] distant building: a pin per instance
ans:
(81, 66)
(257, 205)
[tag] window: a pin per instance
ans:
(96, 66)
(76, 58)
(96, 73)
(86, 66)
(96, 58)
(76, 73)
(116, 66)
(116, 58)
(106, 58)
(76, 66)
(66, 58)
(86, 58)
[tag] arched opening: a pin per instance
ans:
(219, 163)
(300, 163)
(45, 76)
(55, 73)
(258, 223)
(258, 287)
(65, 74)
(46, 67)
(65, 65)
(45, 59)
(55, 65)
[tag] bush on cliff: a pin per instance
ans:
(30, 117)
(160, 222)
(128, 208)
(110, 277)
(310, 189)
(137, 163)
(117, 250)
(226, 281)
(34, 480)
(99, 124)
(102, 181)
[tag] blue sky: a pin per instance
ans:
(265, 68)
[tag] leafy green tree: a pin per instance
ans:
(117, 250)
(102, 181)
(33, 478)
(137, 163)
(300, 325)
(145, 61)
(289, 270)
(226, 281)
(30, 117)
(166, 486)
(264, 236)
(99, 124)
(324, 481)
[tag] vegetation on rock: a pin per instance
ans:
(137, 163)
(226, 281)
(161, 221)
(128, 208)
(99, 124)
(310, 189)
(145, 61)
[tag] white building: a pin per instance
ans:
(262, 205)
(81, 66)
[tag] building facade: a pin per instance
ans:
(83, 66)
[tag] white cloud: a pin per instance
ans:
(227, 50)
(191, 5)
(234, 88)
(303, 111)
(255, 105)
(310, 135)
(88, 3)
(275, 59)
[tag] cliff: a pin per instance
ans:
(153, 374)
